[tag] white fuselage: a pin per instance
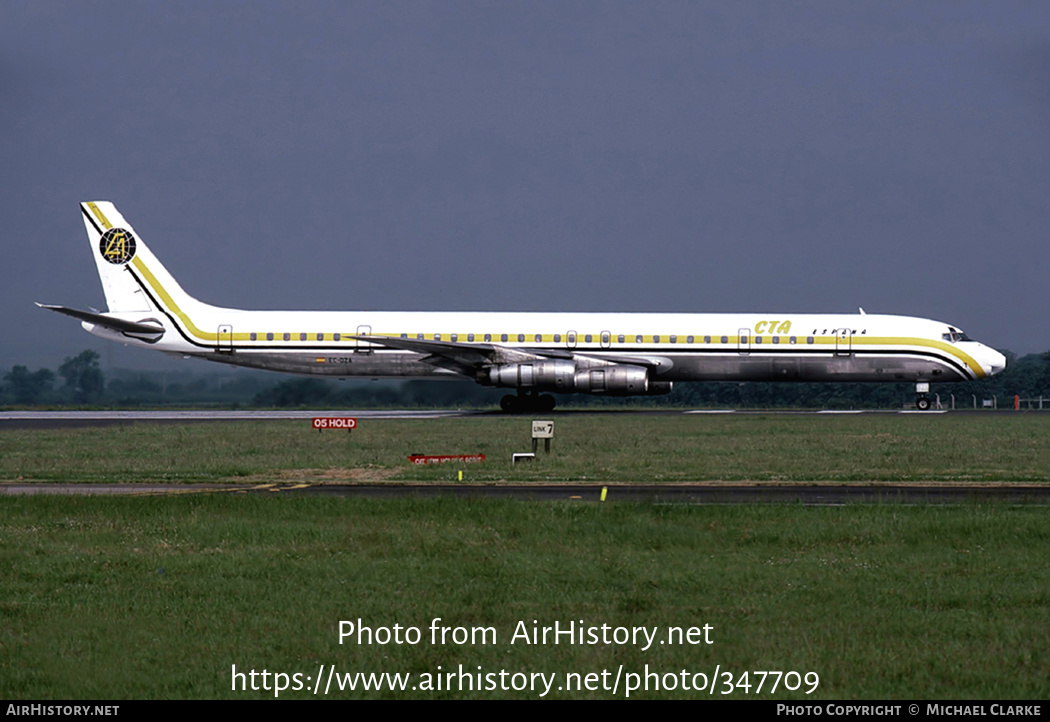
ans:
(679, 347)
(611, 353)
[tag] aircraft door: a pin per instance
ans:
(570, 339)
(224, 339)
(363, 346)
(843, 342)
(743, 341)
(606, 338)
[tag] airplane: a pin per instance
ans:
(533, 354)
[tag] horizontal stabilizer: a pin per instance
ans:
(153, 330)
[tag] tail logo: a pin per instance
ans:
(117, 246)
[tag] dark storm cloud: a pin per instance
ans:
(535, 156)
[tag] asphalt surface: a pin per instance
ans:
(73, 419)
(815, 494)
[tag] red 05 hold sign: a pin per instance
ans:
(336, 422)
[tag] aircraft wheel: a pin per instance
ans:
(509, 404)
(922, 403)
(547, 403)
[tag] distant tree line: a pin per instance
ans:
(80, 382)
(84, 383)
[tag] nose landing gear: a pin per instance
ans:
(922, 401)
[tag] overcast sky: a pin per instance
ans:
(590, 156)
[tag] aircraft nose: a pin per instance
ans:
(994, 362)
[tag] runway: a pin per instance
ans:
(72, 419)
(714, 493)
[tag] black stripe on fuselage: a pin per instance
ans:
(667, 351)
(663, 351)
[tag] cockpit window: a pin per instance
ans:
(954, 335)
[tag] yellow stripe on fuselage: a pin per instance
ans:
(167, 300)
(733, 341)
(892, 341)
(897, 341)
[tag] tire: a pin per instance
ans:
(922, 403)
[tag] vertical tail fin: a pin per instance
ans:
(133, 280)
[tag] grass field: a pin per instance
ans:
(148, 597)
(593, 447)
(159, 597)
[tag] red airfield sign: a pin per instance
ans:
(445, 458)
(335, 422)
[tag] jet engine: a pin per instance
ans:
(563, 376)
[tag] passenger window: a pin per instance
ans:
(776, 339)
(454, 337)
(287, 336)
(673, 339)
(587, 338)
(557, 338)
(638, 339)
(620, 338)
(792, 340)
(336, 336)
(269, 336)
(725, 339)
(437, 336)
(419, 337)
(809, 339)
(688, 339)
(251, 336)
(656, 338)
(707, 339)
(758, 339)
(521, 338)
(470, 338)
(320, 337)
(503, 338)
(539, 338)
(302, 337)
(488, 337)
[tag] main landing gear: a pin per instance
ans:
(527, 403)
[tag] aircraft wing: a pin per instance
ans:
(110, 322)
(463, 358)
(469, 358)
(648, 361)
